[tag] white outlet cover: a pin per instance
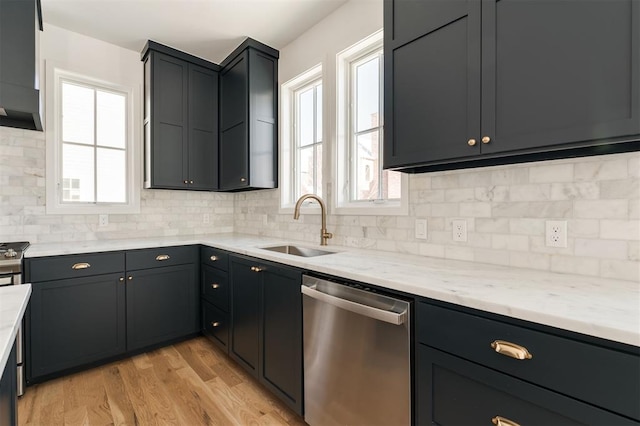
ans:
(556, 233)
(421, 229)
(103, 220)
(206, 218)
(459, 230)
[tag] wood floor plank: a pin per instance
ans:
(192, 383)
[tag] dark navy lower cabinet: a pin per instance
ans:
(465, 373)
(8, 395)
(266, 325)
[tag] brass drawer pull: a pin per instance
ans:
(503, 421)
(83, 265)
(486, 139)
(213, 258)
(256, 269)
(471, 142)
(216, 324)
(162, 257)
(215, 286)
(512, 350)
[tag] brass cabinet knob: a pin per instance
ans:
(129, 277)
(486, 139)
(185, 181)
(243, 179)
(471, 142)
(213, 258)
(121, 279)
(503, 421)
(512, 350)
(215, 286)
(215, 323)
(191, 182)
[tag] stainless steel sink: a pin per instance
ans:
(298, 251)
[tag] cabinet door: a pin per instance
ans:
(203, 128)
(8, 394)
(245, 312)
(168, 144)
(452, 391)
(234, 121)
(281, 361)
(162, 304)
(557, 71)
(431, 81)
(75, 322)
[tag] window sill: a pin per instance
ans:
(372, 209)
(133, 208)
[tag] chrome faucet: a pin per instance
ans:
(324, 234)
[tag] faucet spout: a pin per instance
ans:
(324, 234)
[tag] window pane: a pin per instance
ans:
(367, 166)
(77, 173)
(77, 114)
(319, 113)
(111, 119)
(367, 94)
(305, 117)
(318, 184)
(391, 184)
(111, 175)
(306, 167)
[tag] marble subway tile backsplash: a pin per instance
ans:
(162, 213)
(505, 207)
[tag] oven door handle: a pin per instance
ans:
(357, 308)
(6, 280)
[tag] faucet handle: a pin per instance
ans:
(326, 234)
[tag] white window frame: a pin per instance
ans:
(288, 166)
(54, 205)
(342, 201)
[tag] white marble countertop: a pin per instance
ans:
(13, 302)
(598, 307)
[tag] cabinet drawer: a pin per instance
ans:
(157, 257)
(215, 324)
(214, 257)
(74, 266)
(215, 287)
(452, 391)
(581, 370)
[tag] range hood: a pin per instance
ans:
(20, 24)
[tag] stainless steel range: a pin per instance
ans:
(11, 274)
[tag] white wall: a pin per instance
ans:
(505, 207)
(23, 171)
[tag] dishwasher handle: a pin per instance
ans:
(357, 308)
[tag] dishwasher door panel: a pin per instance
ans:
(356, 368)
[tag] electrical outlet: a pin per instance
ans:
(421, 229)
(103, 220)
(556, 233)
(205, 218)
(459, 230)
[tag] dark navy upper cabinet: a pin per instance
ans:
(180, 120)
(249, 118)
(472, 83)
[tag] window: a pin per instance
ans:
(302, 136)
(91, 157)
(361, 180)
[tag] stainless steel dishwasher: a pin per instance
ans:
(357, 367)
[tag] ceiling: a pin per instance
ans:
(210, 29)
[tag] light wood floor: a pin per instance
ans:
(189, 383)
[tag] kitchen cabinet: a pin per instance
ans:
(248, 118)
(215, 295)
(77, 311)
(162, 295)
(266, 325)
(470, 83)
(88, 308)
(180, 120)
(8, 394)
(557, 377)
